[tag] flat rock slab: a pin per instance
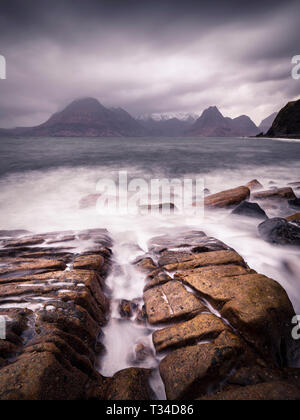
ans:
(189, 372)
(258, 307)
(203, 327)
(180, 240)
(169, 302)
(227, 198)
(206, 259)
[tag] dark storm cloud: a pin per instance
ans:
(147, 56)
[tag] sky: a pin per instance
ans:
(163, 56)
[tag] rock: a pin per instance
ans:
(89, 262)
(254, 185)
(192, 371)
(294, 217)
(126, 308)
(66, 238)
(141, 316)
(277, 193)
(145, 265)
(196, 277)
(256, 306)
(206, 259)
(50, 350)
(227, 198)
(89, 201)
(203, 327)
(176, 242)
(250, 210)
(130, 384)
(273, 391)
(142, 352)
(280, 231)
(169, 302)
(23, 242)
(156, 280)
(18, 266)
(40, 376)
(294, 204)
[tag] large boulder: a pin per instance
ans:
(250, 210)
(280, 231)
(192, 371)
(256, 306)
(41, 376)
(130, 385)
(227, 198)
(276, 193)
(254, 185)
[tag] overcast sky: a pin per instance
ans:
(147, 56)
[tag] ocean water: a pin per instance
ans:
(42, 181)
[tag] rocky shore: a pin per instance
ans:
(220, 330)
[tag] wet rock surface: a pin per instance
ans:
(280, 231)
(54, 308)
(250, 210)
(227, 198)
(276, 193)
(236, 341)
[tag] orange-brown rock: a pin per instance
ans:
(203, 327)
(206, 259)
(130, 384)
(254, 185)
(89, 262)
(40, 376)
(227, 198)
(258, 307)
(20, 264)
(169, 302)
(191, 371)
(268, 391)
(146, 265)
(277, 193)
(294, 217)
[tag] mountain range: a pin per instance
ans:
(89, 118)
(213, 124)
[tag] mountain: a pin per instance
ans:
(287, 122)
(266, 124)
(89, 118)
(86, 118)
(172, 127)
(213, 124)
